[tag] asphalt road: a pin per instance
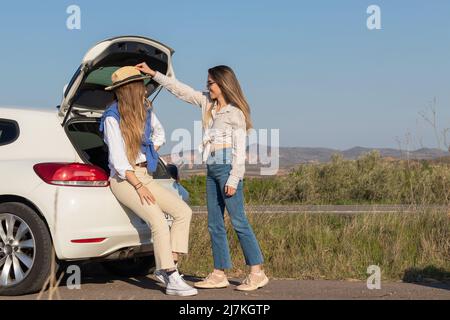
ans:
(98, 284)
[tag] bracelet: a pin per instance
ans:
(138, 185)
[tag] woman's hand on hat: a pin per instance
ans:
(144, 68)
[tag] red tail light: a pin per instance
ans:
(93, 240)
(72, 174)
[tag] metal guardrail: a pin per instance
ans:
(333, 209)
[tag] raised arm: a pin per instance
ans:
(177, 88)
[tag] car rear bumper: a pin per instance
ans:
(121, 254)
(79, 214)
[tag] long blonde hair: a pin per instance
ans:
(133, 106)
(228, 83)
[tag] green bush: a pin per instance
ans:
(368, 180)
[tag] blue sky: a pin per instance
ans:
(310, 68)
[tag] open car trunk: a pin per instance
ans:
(85, 99)
(85, 95)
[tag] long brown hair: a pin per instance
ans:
(131, 99)
(228, 83)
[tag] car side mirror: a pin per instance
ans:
(173, 172)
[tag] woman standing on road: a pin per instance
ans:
(133, 134)
(226, 119)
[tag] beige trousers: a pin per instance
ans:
(165, 240)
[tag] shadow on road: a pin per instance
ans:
(429, 276)
(95, 273)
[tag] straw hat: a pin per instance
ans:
(126, 75)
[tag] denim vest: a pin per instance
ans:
(147, 146)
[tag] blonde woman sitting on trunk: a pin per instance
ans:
(133, 134)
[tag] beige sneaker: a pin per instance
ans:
(253, 281)
(213, 281)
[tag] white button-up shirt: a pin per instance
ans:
(118, 160)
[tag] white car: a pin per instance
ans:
(54, 190)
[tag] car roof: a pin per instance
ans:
(12, 111)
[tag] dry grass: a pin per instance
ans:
(52, 283)
(326, 246)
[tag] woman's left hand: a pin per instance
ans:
(143, 67)
(230, 191)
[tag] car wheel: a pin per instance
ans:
(139, 266)
(25, 250)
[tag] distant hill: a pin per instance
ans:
(289, 157)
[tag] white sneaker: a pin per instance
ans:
(176, 286)
(162, 276)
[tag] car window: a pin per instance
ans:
(88, 142)
(75, 76)
(9, 131)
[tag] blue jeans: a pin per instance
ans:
(219, 167)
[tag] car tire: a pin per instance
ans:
(34, 263)
(134, 267)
